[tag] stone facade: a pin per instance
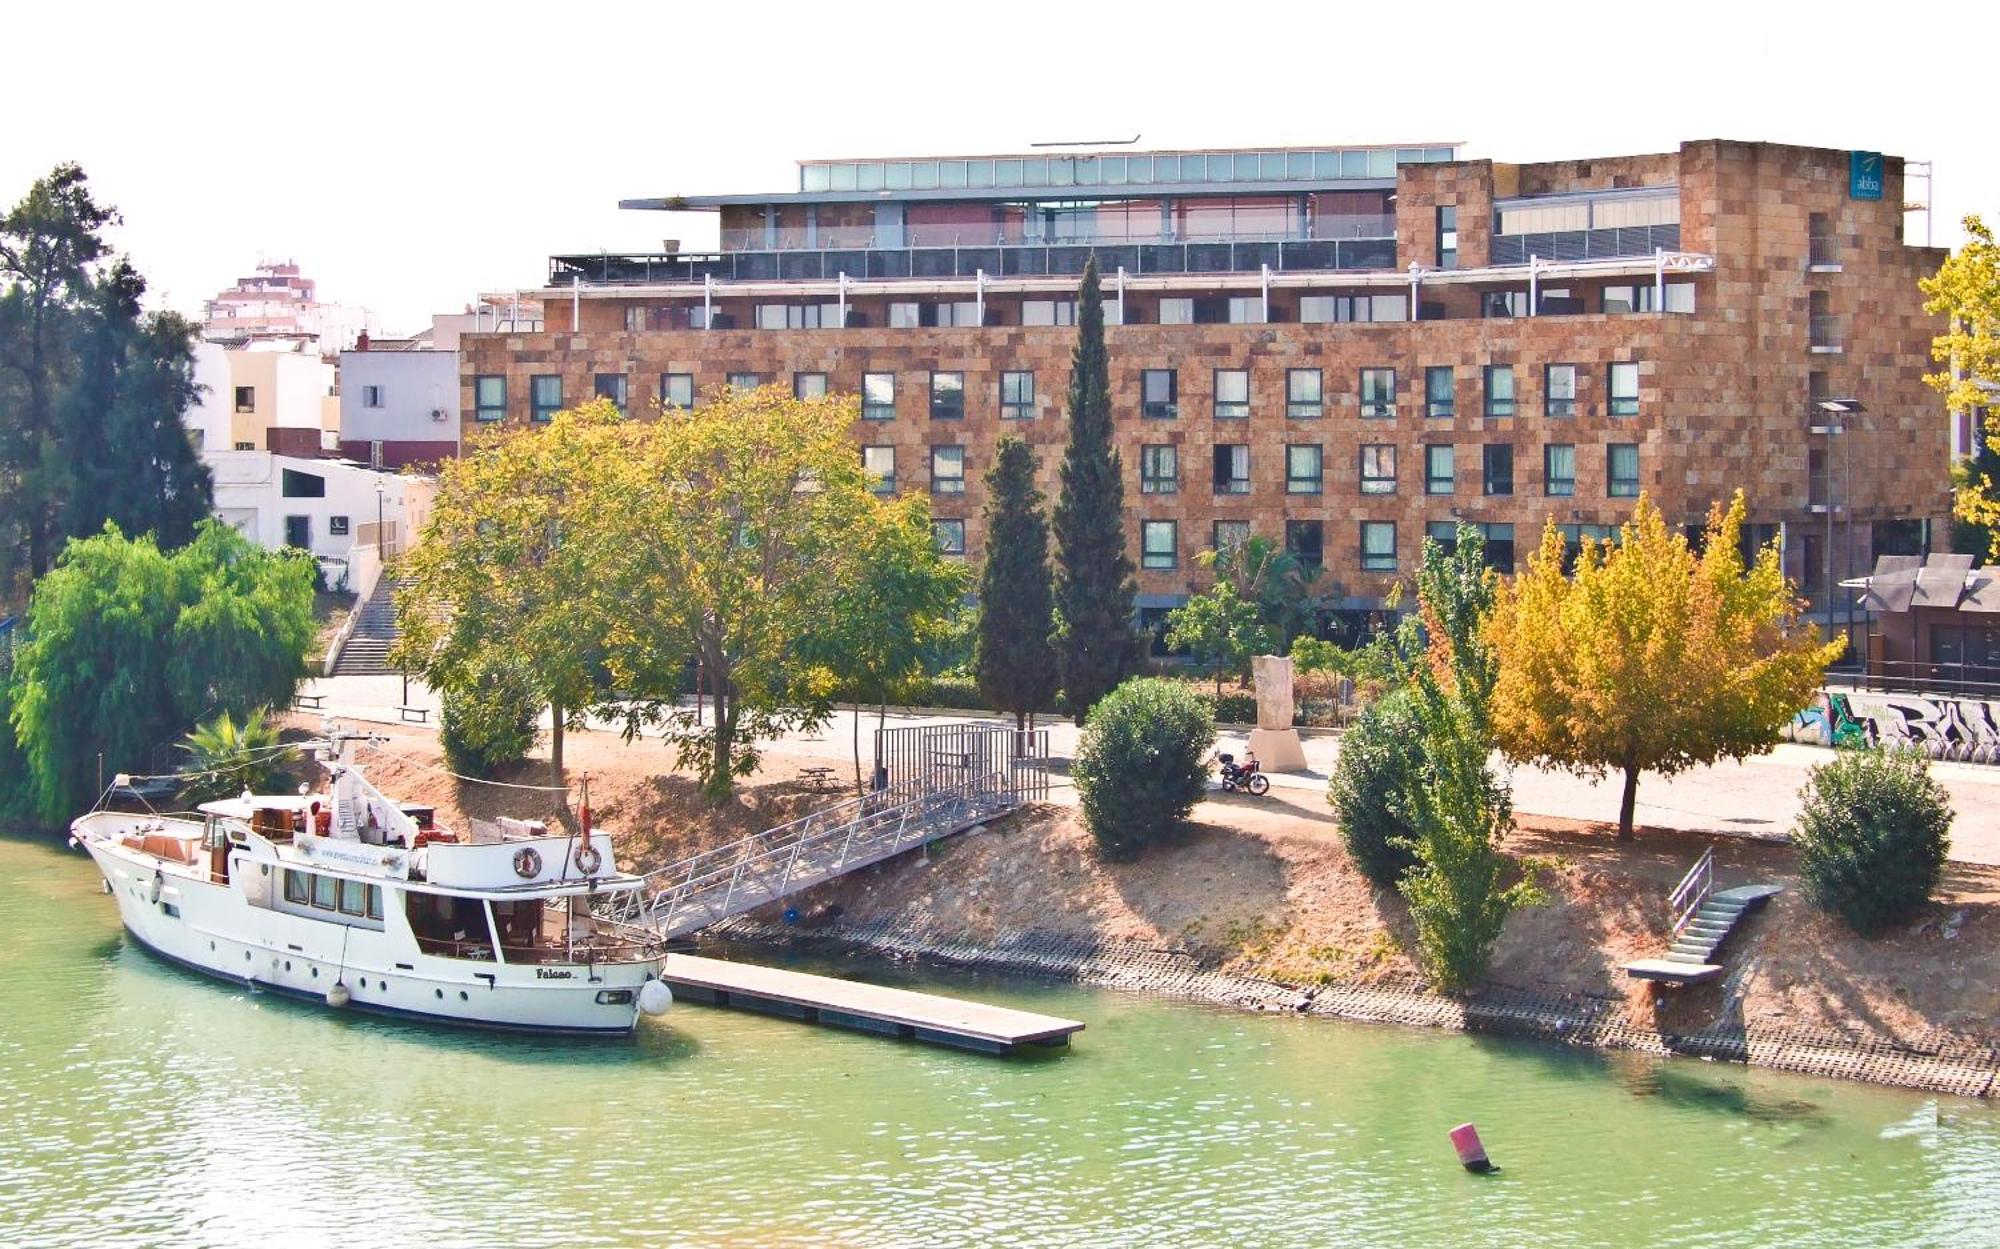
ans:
(1722, 400)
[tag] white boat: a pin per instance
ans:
(350, 899)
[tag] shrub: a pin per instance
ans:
(1235, 707)
(1142, 764)
(961, 693)
(1872, 837)
(227, 757)
(1381, 758)
(492, 723)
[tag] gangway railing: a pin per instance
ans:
(936, 780)
(1694, 889)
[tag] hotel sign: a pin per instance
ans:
(1864, 175)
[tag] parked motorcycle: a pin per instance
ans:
(1243, 778)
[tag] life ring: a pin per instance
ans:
(588, 860)
(527, 863)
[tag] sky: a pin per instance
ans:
(411, 155)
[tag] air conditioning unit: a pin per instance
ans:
(437, 414)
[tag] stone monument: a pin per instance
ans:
(1274, 741)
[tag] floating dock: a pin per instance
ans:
(863, 1007)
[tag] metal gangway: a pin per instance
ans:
(931, 781)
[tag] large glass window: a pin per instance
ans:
(1303, 394)
(1503, 304)
(1447, 236)
(950, 535)
(878, 464)
(544, 396)
(1158, 544)
(1559, 389)
(1177, 311)
(947, 396)
(298, 887)
(325, 892)
(1048, 312)
(1497, 462)
(1230, 534)
(293, 484)
(1440, 468)
(1017, 395)
(1622, 470)
(353, 897)
(611, 386)
(677, 390)
(808, 385)
(878, 396)
(1559, 470)
(1159, 394)
(1305, 541)
(1333, 309)
(1232, 394)
(1246, 309)
(1440, 391)
(1378, 546)
(1499, 390)
(1625, 389)
(1304, 469)
(948, 470)
(1232, 468)
(1378, 392)
(489, 397)
(1159, 469)
(1378, 468)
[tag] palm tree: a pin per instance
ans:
(225, 757)
(1290, 595)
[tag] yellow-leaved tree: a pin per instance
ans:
(1966, 292)
(1650, 657)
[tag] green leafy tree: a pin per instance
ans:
(1873, 834)
(1095, 591)
(1966, 292)
(1219, 628)
(1142, 764)
(129, 646)
(1290, 596)
(228, 755)
(1015, 662)
(493, 722)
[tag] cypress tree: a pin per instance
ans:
(1015, 659)
(1094, 589)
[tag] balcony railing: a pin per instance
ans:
(1017, 234)
(1056, 259)
(1564, 245)
(1821, 250)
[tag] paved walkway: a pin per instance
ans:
(1758, 797)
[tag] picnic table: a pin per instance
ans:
(818, 778)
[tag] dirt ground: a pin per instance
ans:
(1264, 887)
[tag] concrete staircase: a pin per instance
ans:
(366, 652)
(1704, 918)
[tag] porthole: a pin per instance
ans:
(288, 964)
(440, 994)
(462, 997)
(246, 956)
(364, 982)
(315, 973)
(211, 945)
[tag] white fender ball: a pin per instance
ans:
(338, 996)
(655, 997)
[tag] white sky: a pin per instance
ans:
(409, 155)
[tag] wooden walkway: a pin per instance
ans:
(863, 1007)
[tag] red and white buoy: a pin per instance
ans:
(1471, 1154)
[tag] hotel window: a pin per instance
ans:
(1378, 546)
(950, 535)
(1440, 469)
(1559, 389)
(1246, 309)
(635, 318)
(1304, 396)
(1230, 534)
(698, 317)
(1158, 542)
(1303, 470)
(246, 398)
(798, 316)
(1447, 236)
(878, 396)
(544, 396)
(947, 470)
(1499, 390)
(1642, 297)
(1017, 395)
(904, 316)
(745, 381)
(1305, 541)
(808, 385)
(1625, 389)
(1378, 468)
(1177, 312)
(1048, 312)
(1159, 470)
(1332, 309)
(489, 397)
(1440, 391)
(1622, 470)
(1159, 394)
(1232, 468)
(611, 386)
(1497, 465)
(1503, 304)
(878, 465)
(947, 396)
(1559, 470)
(371, 396)
(1232, 394)
(1378, 392)
(337, 526)
(1499, 546)
(677, 390)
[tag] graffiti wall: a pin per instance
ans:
(1966, 729)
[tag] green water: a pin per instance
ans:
(141, 1105)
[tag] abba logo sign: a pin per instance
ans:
(1864, 175)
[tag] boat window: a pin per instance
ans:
(298, 887)
(353, 897)
(374, 902)
(323, 887)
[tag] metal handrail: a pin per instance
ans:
(1695, 887)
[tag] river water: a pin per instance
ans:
(143, 1105)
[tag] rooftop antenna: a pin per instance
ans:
(1088, 142)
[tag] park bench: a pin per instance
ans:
(414, 715)
(309, 702)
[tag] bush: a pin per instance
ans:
(492, 723)
(1872, 837)
(1234, 707)
(960, 693)
(1381, 758)
(1142, 764)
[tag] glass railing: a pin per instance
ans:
(1019, 234)
(1566, 245)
